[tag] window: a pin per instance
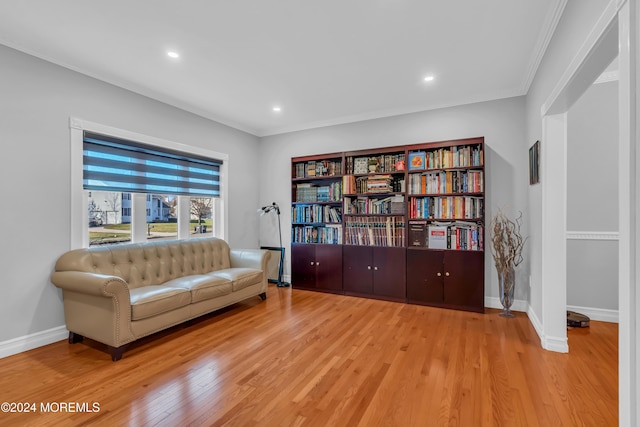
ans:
(201, 215)
(161, 217)
(132, 186)
(108, 223)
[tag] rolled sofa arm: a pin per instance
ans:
(90, 283)
(250, 258)
(97, 306)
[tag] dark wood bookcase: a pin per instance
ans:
(403, 223)
(316, 222)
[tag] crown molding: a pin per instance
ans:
(383, 114)
(544, 38)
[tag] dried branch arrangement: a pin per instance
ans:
(506, 241)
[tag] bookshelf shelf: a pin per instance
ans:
(382, 214)
(337, 202)
(459, 168)
(443, 194)
(358, 175)
(371, 214)
(316, 178)
(314, 223)
(374, 194)
(442, 219)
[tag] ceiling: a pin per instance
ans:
(322, 62)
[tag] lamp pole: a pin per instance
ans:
(266, 209)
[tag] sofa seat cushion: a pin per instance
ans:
(201, 286)
(147, 301)
(239, 277)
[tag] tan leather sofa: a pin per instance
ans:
(117, 294)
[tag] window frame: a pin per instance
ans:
(79, 220)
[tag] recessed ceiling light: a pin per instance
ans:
(277, 109)
(429, 78)
(173, 54)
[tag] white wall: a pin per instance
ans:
(578, 19)
(501, 122)
(592, 199)
(37, 99)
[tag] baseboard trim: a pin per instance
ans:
(535, 322)
(557, 344)
(599, 314)
(518, 305)
(29, 342)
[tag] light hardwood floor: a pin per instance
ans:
(307, 358)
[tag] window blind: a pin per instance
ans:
(113, 164)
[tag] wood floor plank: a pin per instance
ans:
(304, 358)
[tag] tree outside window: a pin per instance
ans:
(202, 214)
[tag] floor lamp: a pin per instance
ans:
(273, 207)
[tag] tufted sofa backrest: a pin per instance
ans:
(150, 263)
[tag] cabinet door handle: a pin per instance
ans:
(318, 263)
(446, 274)
(375, 268)
(311, 262)
(439, 274)
(368, 267)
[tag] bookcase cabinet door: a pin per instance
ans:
(357, 271)
(316, 267)
(451, 279)
(303, 270)
(389, 272)
(425, 279)
(329, 267)
(464, 280)
(375, 271)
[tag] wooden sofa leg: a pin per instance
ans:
(75, 338)
(117, 352)
(263, 296)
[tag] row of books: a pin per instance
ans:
(328, 234)
(375, 231)
(376, 164)
(451, 207)
(318, 168)
(311, 193)
(450, 157)
(458, 181)
(316, 213)
(379, 184)
(372, 205)
(456, 235)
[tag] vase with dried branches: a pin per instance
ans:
(506, 247)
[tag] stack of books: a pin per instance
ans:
(379, 184)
